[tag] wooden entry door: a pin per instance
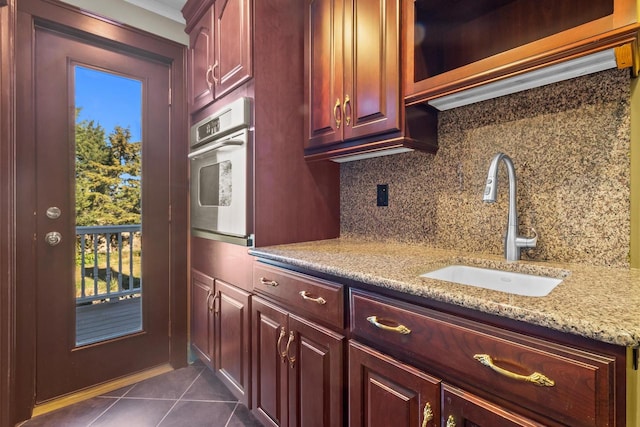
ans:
(64, 362)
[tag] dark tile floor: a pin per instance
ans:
(190, 396)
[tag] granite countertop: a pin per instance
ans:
(595, 302)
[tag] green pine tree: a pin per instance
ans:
(108, 171)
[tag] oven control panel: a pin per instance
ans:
(234, 116)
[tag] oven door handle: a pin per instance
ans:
(216, 146)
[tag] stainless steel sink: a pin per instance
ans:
(504, 281)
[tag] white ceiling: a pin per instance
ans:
(167, 8)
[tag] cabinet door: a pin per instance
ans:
(232, 65)
(201, 53)
(460, 408)
(384, 392)
(232, 345)
(372, 98)
(201, 318)
(315, 375)
(323, 72)
(269, 329)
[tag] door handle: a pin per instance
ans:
(53, 212)
(53, 238)
(207, 148)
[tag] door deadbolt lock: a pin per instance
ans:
(53, 212)
(53, 238)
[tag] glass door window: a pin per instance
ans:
(108, 170)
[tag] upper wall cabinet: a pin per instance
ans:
(219, 48)
(353, 92)
(458, 44)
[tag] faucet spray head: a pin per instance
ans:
(490, 192)
(491, 187)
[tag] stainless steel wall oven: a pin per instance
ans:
(219, 161)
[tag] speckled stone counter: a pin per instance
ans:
(595, 302)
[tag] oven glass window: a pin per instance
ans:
(215, 184)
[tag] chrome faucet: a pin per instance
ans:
(512, 242)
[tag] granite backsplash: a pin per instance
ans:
(570, 143)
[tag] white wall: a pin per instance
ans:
(135, 16)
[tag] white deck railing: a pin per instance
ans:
(106, 242)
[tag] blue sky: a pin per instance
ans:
(110, 100)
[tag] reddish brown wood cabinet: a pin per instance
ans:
(290, 200)
(297, 362)
(324, 73)
(353, 70)
(269, 337)
(200, 58)
(232, 322)
(297, 369)
(385, 392)
(452, 47)
(219, 48)
(353, 92)
(461, 408)
(411, 365)
(542, 380)
(220, 321)
(201, 316)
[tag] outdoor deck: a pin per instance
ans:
(99, 322)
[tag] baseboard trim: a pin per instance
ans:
(98, 390)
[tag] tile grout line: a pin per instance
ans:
(178, 400)
(154, 398)
(232, 412)
(111, 406)
(203, 400)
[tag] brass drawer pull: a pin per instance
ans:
(292, 359)
(283, 354)
(427, 415)
(347, 117)
(535, 378)
(216, 308)
(209, 302)
(213, 306)
(335, 113)
(401, 329)
(268, 282)
(308, 297)
(213, 73)
(451, 422)
(207, 76)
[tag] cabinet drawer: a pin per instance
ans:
(300, 293)
(566, 384)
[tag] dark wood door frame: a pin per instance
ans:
(7, 209)
(68, 19)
